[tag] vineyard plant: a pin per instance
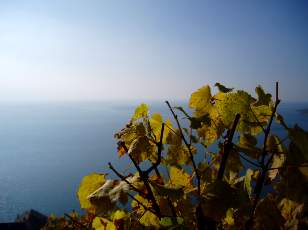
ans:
(215, 164)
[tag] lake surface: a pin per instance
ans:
(45, 150)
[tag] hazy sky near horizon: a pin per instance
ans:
(80, 50)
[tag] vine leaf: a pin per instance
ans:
(100, 223)
(177, 153)
(229, 219)
(88, 185)
(298, 149)
(247, 181)
(247, 144)
(278, 149)
(156, 122)
(263, 98)
(222, 88)
(200, 100)
(180, 178)
(147, 218)
(219, 197)
(142, 148)
(140, 112)
(267, 215)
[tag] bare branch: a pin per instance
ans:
(160, 146)
(123, 178)
(187, 145)
(249, 161)
(261, 179)
(228, 145)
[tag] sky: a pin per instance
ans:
(87, 50)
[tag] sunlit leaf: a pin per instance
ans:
(200, 100)
(118, 215)
(140, 112)
(130, 133)
(180, 178)
(88, 185)
(147, 218)
(100, 223)
(156, 122)
(247, 181)
(229, 219)
(142, 149)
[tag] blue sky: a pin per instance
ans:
(119, 50)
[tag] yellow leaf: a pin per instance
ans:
(247, 181)
(100, 223)
(138, 207)
(118, 215)
(156, 122)
(149, 220)
(141, 112)
(229, 219)
(88, 185)
(180, 178)
(142, 149)
(201, 100)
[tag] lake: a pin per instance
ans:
(46, 149)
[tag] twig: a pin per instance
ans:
(261, 179)
(199, 212)
(187, 145)
(289, 166)
(228, 145)
(172, 130)
(144, 177)
(146, 208)
(123, 178)
(249, 161)
(160, 146)
(75, 221)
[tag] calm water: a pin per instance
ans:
(46, 149)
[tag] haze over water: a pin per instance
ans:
(46, 149)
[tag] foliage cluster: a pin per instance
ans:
(254, 179)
